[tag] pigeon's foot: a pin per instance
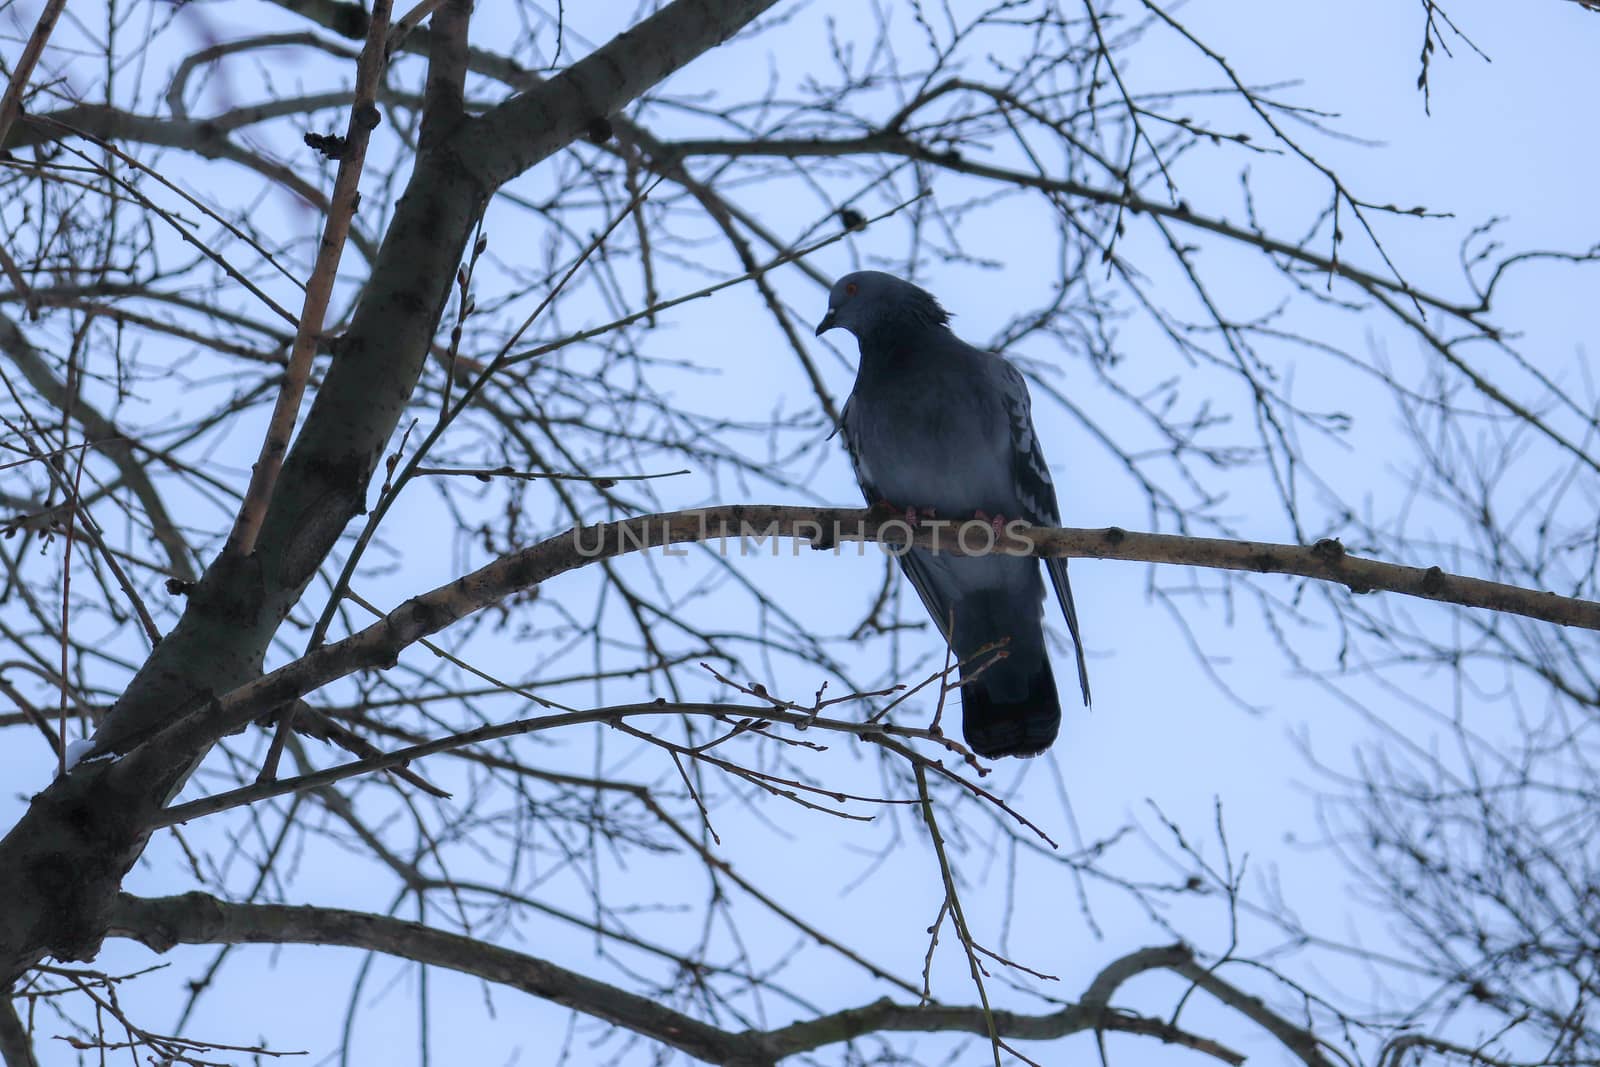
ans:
(913, 516)
(998, 522)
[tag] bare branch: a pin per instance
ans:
(11, 102)
(319, 288)
(198, 918)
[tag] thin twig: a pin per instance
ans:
(11, 103)
(963, 932)
(319, 289)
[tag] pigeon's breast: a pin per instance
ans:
(941, 442)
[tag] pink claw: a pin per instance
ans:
(998, 522)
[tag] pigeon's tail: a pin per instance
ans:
(1009, 705)
(1021, 725)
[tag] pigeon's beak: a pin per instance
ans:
(826, 324)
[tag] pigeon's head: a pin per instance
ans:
(869, 300)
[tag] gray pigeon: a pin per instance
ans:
(935, 425)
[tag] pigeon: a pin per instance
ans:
(937, 427)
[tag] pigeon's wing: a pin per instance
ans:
(931, 589)
(1036, 494)
(915, 562)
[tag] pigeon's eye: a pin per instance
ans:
(850, 290)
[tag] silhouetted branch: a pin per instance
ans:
(198, 918)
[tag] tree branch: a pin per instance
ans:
(531, 125)
(1090, 1013)
(198, 918)
(379, 644)
(11, 101)
(319, 288)
(891, 143)
(16, 1047)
